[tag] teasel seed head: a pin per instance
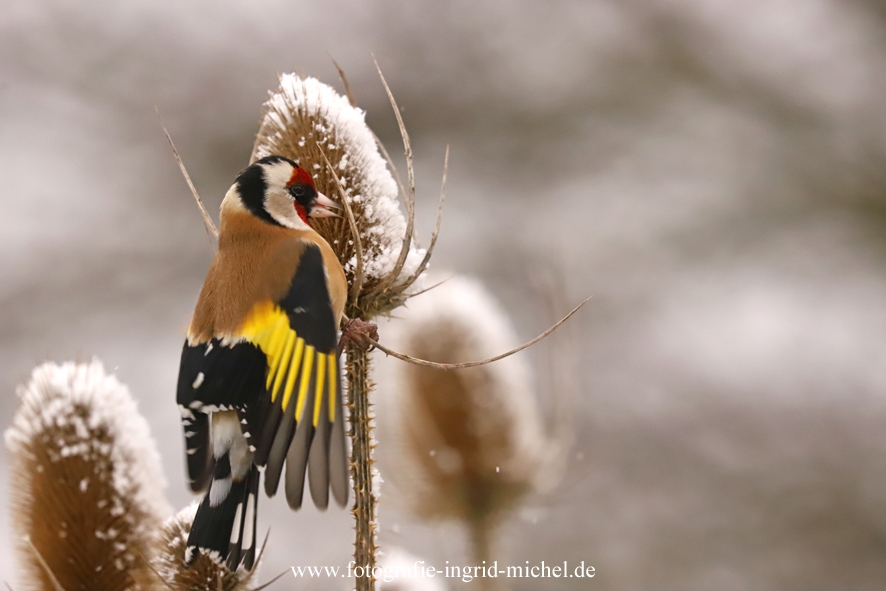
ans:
(167, 561)
(309, 122)
(472, 439)
(86, 484)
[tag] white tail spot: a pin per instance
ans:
(235, 533)
(250, 519)
(219, 491)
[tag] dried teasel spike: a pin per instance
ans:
(312, 124)
(211, 229)
(466, 364)
(378, 141)
(409, 235)
(408, 197)
(430, 252)
(427, 289)
(39, 557)
(392, 166)
(344, 81)
(357, 285)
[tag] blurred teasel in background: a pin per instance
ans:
(85, 481)
(470, 443)
(87, 491)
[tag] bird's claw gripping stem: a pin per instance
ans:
(358, 332)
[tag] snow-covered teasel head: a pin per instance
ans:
(168, 561)
(310, 123)
(86, 481)
(472, 440)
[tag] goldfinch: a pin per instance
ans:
(259, 381)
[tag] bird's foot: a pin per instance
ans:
(358, 332)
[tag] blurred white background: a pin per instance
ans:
(712, 172)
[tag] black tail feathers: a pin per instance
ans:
(224, 527)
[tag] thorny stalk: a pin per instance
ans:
(482, 534)
(365, 500)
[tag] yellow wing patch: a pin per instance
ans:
(267, 327)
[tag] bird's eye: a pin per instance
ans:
(298, 190)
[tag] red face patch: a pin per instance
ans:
(301, 213)
(300, 175)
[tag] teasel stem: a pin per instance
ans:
(482, 533)
(365, 499)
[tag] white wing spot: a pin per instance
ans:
(198, 381)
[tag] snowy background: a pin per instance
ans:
(712, 172)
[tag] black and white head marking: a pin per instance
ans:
(276, 190)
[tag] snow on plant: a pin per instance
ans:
(205, 574)
(311, 123)
(86, 482)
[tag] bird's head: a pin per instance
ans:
(280, 192)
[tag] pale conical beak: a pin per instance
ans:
(322, 203)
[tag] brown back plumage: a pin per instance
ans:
(256, 261)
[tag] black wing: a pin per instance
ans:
(213, 376)
(282, 374)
